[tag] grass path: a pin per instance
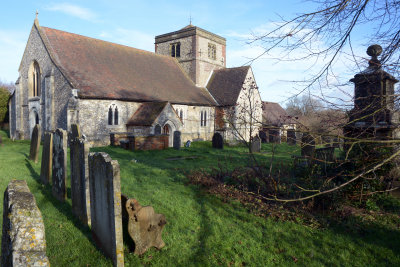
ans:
(201, 230)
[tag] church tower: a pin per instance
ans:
(198, 51)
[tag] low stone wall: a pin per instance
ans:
(23, 240)
(152, 142)
(131, 142)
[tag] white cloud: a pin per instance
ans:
(133, 38)
(73, 10)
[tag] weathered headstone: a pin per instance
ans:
(75, 131)
(188, 143)
(263, 136)
(217, 141)
(307, 145)
(105, 205)
(177, 140)
(35, 143)
(79, 151)
(59, 170)
(291, 137)
(255, 145)
(23, 241)
(144, 226)
(47, 158)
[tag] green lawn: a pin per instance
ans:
(201, 230)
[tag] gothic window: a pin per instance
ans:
(157, 130)
(205, 118)
(34, 77)
(166, 129)
(110, 116)
(212, 51)
(181, 114)
(175, 50)
(113, 116)
(116, 116)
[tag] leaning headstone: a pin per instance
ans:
(255, 145)
(217, 141)
(59, 170)
(177, 140)
(263, 136)
(47, 158)
(23, 241)
(307, 145)
(291, 137)
(35, 143)
(188, 143)
(79, 151)
(144, 226)
(105, 205)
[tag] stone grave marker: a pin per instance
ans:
(291, 137)
(217, 141)
(75, 131)
(35, 143)
(307, 145)
(105, 205)
(177, 140)
(23, 241)
(263, 136)
(79, 151)
(47, 158)
(188, 143)
(144, 225)
(59, 170)
(255, 145)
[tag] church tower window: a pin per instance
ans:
(175, 50)
(212, 51)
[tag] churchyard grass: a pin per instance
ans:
(201, 229)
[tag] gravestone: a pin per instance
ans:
(177, 140)
(325, 155)
(105, 206)
(144, 225)
(188, 143)
(291, 137)
(35, 143)
(255, 146)
(23, 241)
(75, 131)
(59, 170)
(217, 141)
(47, 158)
(79, 151)
(307, 145)
(263, 136)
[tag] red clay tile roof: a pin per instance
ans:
(146, 114)
(274, 114)
(226, 84)
(104, 70)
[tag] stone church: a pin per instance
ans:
(66, 78)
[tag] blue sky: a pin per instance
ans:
(135, 23)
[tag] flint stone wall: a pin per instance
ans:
(23, 240)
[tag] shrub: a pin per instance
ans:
(4, 96)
